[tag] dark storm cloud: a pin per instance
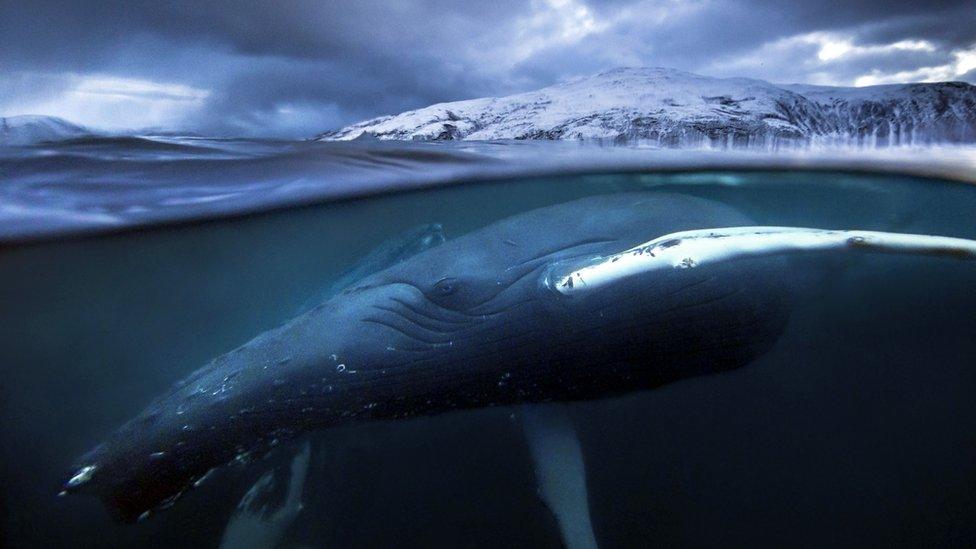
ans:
(63, 33)
(300, 66)
(705, 36)
(952, 27)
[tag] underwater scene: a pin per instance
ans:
(442, 349)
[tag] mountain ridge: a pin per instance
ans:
(668, 107)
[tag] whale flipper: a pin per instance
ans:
(254, 525)
(560, 471)
(690, 249)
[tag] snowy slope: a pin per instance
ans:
(943, 112)
(674, 108)
(31, 129)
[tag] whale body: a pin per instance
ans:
(597, 297)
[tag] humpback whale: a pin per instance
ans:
(597, 297)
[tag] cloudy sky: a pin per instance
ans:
(298, 67)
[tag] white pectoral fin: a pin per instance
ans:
(296, 485)
(560, 471)
(255, 526)
(690, 249)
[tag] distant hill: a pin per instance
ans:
(31, 129)
(673, 108)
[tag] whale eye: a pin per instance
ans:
(461, 293)
(445, 287)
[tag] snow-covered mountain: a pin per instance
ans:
(674, 108)
(31, 129)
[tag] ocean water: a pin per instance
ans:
(858, 427)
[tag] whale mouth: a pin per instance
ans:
(697, 248)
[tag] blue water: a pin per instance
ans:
(859, 427)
